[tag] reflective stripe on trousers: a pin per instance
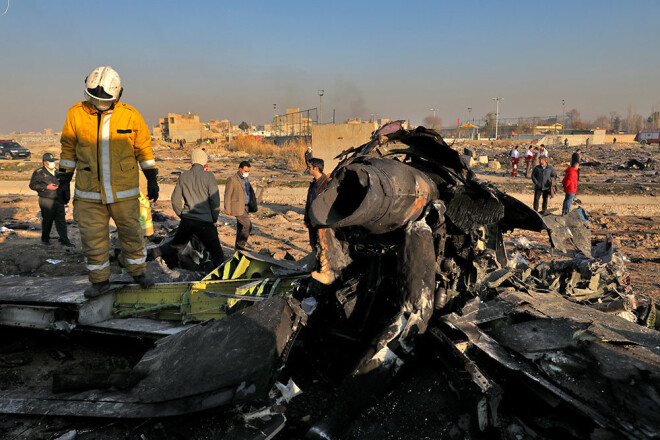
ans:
(93, 221)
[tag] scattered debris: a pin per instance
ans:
(414, 243)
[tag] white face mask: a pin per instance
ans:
(51, 165)
(245, 175)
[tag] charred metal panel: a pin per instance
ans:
(469, 210)
(605, 367)
(569, 229)
(208, 365)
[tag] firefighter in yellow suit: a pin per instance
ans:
(105, 141)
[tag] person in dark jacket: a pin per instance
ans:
(318, 185)
(542, 177)
(570, 185)
(196, 200)
(44, 182)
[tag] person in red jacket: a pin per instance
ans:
(570, 185)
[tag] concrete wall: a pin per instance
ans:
(191, 135)
(328, 140)
(574, 140)
(27, 139)
(619, 138)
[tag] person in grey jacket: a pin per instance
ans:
(543, 176)
(196, 200)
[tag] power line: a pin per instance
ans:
(5, 9)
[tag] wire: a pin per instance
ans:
(5, 9)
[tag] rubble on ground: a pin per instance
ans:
(425, 297)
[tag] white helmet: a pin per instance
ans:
(103, 87)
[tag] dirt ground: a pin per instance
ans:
(620, 200)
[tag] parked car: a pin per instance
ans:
(648, 137)
(9, 149)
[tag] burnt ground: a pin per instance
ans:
(421, 405)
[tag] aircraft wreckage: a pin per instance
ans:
(411, 249)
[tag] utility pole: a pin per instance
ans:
(497, 114)
(434, 120)
(321, 92)
(274, 126)
(470, 122)
(563, 116)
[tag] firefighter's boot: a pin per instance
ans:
(144, 280)
(98, 289)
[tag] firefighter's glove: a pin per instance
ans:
(152, 184)
(64, 189)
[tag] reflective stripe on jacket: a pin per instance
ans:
(146, 223)
(105, 148)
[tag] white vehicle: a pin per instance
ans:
(648, 137)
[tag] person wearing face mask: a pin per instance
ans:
(239, 200)
(44, 182)
(104, 141)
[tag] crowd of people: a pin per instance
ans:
(105, 142)
(544, 177)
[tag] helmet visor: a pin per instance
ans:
(98, 102)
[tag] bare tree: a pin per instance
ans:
(490, 124)
(653, 121)
(574, 118)
(633, 122)
(432, 122)
(615, 121)
(602, 121)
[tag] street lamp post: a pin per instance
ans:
(434, 120)
(470, 121)
(563, 116)
(321, 92)
(497, 114)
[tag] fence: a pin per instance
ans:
(295, 124)
(533, 126)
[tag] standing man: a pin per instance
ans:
(515, 158)
(308, 156)
(529, 156)
(542, 178)
(196, 201)
(105, 140)
(543, 152)
(577, 157)
(318, 185)
(570, 185)
(237, 198)
(44, 182)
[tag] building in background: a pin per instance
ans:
(179, 127)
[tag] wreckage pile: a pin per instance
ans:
(601, 282)
(414, 269)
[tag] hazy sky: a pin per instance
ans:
(396, 59)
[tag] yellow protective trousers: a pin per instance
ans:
(93, 221)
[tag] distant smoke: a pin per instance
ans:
(347, 96)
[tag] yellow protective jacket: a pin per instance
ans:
(105, 148)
